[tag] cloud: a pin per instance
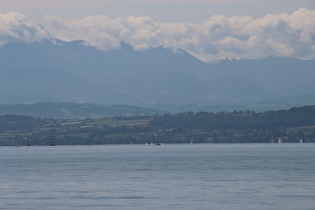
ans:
(16, 27)
(215, 38)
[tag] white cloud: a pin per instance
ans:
(16, 27)
(215, 38)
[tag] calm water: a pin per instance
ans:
(205, 176)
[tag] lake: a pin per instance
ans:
(179, 176)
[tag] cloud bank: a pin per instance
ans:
(17, 27)
(215, 38)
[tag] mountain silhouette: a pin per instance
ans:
(59, 71)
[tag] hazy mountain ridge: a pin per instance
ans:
(76, 111)
(74, 72)
(279, 75)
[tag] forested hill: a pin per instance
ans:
(293, 125)
(294, 117)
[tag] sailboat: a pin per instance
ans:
(279, 140)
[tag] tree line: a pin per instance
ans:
(294, 117)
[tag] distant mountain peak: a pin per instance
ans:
(126, 46)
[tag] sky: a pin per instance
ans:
(208, 29)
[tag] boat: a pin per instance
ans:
(156, 144)
(52, 143)
(279, 140)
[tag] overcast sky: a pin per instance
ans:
(158, 10)
(208, 29)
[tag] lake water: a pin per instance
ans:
(196, 176)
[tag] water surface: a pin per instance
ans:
(197, 176)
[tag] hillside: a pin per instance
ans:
(288, 126)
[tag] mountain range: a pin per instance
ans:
(72, 72)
